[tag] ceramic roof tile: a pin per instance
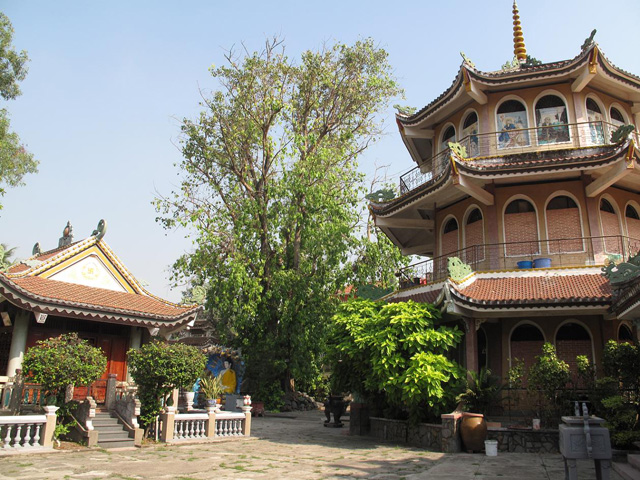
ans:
(63, 293)
(539, 289)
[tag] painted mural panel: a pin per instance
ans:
(512, 127)
(552, 125)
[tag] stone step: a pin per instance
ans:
(107, 422)
(110, 429)
(634, 460)
(116, 443)
(110, 436)
(626, 471)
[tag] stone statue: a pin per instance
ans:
(622, 133)
(589, 40)
(67, 236)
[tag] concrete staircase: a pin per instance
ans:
(111, 433)
(629, 470)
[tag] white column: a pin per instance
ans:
(135, 342)
(18, 341)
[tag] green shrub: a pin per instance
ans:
(158, 368)
(395, 350)
(60, 361)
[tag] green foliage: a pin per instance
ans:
(5, 256)
(394, 349)
(269, 189)
(65, 360)
(158, 368)
(211, 387)
(549, 374)
(482, 391)
(516, 372)
(617, 395)
(15, 161)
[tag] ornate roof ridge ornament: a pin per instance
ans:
(622, 272)
(100, 230)
(519, 49)
(67, 236)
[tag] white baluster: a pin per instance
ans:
(36, 435)
(190, 428)
(16, 436)
(7, 438)
(175, 429)
(26, 439)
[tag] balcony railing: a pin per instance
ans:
(566, 252)
(486, 147)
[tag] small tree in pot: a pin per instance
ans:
(211, 388)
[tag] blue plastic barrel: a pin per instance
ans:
(525, 264)
(542, 263)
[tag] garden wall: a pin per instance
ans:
(429, 436)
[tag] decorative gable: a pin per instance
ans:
(90, 271)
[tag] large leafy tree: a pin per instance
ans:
(15, 160)
(270, 186)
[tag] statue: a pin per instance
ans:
(67, 236)
(100, 230)
(228, 376)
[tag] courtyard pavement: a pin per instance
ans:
(295, 446)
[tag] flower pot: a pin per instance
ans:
(473, 430)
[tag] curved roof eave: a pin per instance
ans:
(545, 70)
(27, 300)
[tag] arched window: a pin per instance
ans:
(624, 334)
(596, 119)
(512, 125)
(616, 117)
(521, 229)
(474, 237)
(633, 226)
(470, 134)
(449, 135)
(563, 222)
(450, 237)
(551, 120)
(610, 227)
(526, 343)
(572, 339)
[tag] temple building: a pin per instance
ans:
(82, 287)
(526, 185)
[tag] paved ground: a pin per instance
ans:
(286, 448)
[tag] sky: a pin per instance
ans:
(110, 81)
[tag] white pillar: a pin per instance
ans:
(18, 341)
(135, 342)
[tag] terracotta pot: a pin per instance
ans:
(473, 430)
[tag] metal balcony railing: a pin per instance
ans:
(489, 147)
(565, 252)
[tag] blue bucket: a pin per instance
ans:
(525, 264)
(542, 263)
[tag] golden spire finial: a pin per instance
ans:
(518, 38)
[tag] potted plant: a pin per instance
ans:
(211, 388)
(482, 391)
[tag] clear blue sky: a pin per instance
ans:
(109, 81)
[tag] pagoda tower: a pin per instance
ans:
(526, 185)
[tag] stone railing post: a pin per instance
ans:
(246, 427)
(46, 437)
(168, 420)
(450, 432)
(211, 424)
(110, 394)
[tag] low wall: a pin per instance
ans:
(430, 436)
(525, 441)
(425, 435)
